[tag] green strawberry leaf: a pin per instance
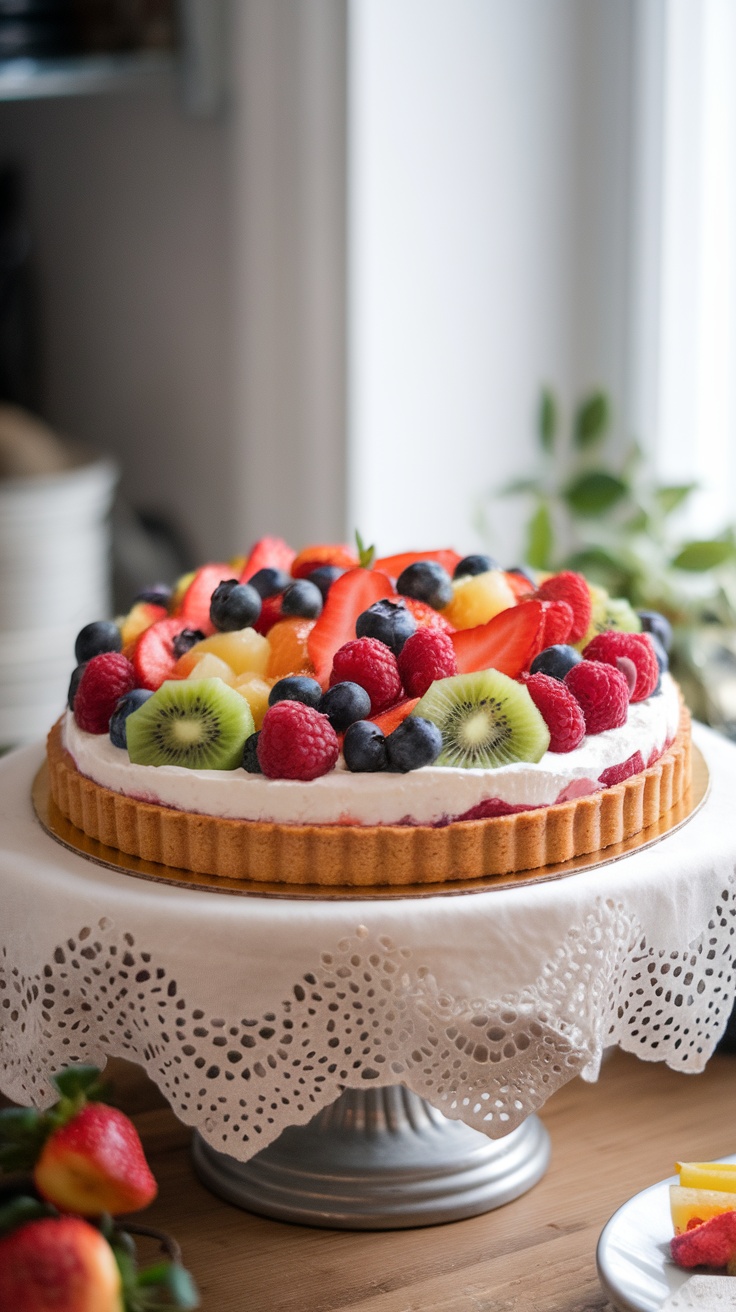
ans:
(76, 1080)
(366, 555)
(700, 556)
(166, 1285)
(591, 420)
(23, 1132)
(594, 492)
(547, 422)
(21, 1210)
(540, 538)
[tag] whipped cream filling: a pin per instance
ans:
(430, 796)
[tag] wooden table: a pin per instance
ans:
(609, 1140)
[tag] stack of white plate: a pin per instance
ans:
(54, 578)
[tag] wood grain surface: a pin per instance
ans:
(609, 1140)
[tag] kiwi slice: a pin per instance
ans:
(608, 613)
(201, 724)
(486, 720)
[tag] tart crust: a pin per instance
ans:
(376, 855)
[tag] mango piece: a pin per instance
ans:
(708, 1175)
(255, 690)
(477, 598)
(693, 1206)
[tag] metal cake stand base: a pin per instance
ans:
(379, 1159)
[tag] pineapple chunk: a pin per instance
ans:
(693, 1206)
(477, 598)
(255, 690)
(210, 666)
(245, 651)
(720, 1176)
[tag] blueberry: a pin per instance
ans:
(658, 625)
(364, 748)
(94, 638)
(296, 688)
(268, 582)
(250, 755)
(74, 684)
(426, 581)
(474, 565)
(555, 661)
(663, 661)
(389, 621)
(343, 704)
(159, 594)
(234, 606)
(324, 577)
(302, 599)
(416, 742)
(185, 640)
(125, 707)
(524, 572)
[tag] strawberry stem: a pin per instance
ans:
(366, 555)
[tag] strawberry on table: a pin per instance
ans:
(348, 597)
(508, 642)
(58, 1264)
(94, 1163)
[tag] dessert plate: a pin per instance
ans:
(633, 1255)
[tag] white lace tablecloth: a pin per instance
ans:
(253, 1013)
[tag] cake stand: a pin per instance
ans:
(365, 1062)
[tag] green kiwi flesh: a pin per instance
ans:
(609, 613)
(486, 720)
(200, 724)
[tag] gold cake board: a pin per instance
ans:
(64, 832)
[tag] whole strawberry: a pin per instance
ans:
(296, 742)
(105, 679)
(58, 1264)
(94, 1163)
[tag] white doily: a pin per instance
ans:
(251, 1013)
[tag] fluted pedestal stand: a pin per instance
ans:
(379, 1159)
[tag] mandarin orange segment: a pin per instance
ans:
(289, 651)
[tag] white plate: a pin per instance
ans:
(633, 1256)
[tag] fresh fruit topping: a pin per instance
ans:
(711, 1244)
(185, 640)
(416, 742)
(389, 720)
(477, 598)
(470, 565)
(271, 613)
(205, 666)
(609, 613)
(324, 577)
(427, 581)
(314, 557)
(296, 742)
(389, 621)
(522, 583)
(289, 643)
(364, 748)
(296, 688)
(267, 553)
(200, 724)
(426, 656)
(245, 650)
(371, 664)
(58, 1264)
(348, 597)
(256, 692)
(153, 655)
(602, 692)
(426, 616)
(719, 1176)
(105, 679)
(157, 594)
(344, 703)
(302, 599)
(250, 755)
(268, 582)
(77, 673)
(395, 565)
(140, 617)
(558, 622)
(486, 719)
(637, 648)
(507, 643)
(94, 1163)
(123, 708)
(234, 606)
(194, 604)
(560, 711)
(555, 661)
(615, 774)
(572, 588)
(658, 626)
(95, 638)
(691, 1207)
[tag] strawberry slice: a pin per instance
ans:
(270, 614)
(195, 604)
(153, 655)
(395, 565)
(426, 616)
(519, 584)
(508, 642)
(314, 557)
(268, 553)
(348, 597)
(389, 720)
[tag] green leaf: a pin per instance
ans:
(601, 566)
(699, 557)
(518, 486)
(595, 492)
(76, 1080)
(21, 1210)
(366, 555)
(167, 1284)
(591, 420)
(23, 1133)
(669, 498)
(540, 537)
(547, 423)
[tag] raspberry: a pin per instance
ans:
(426, 656)
(573, 589)
(602, 692)
(296, 742)
(558, 622)
(613, 646)
(560, 711)
(105, 680)
(615, 774)
(371, 664)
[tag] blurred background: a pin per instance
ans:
(301, 266)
